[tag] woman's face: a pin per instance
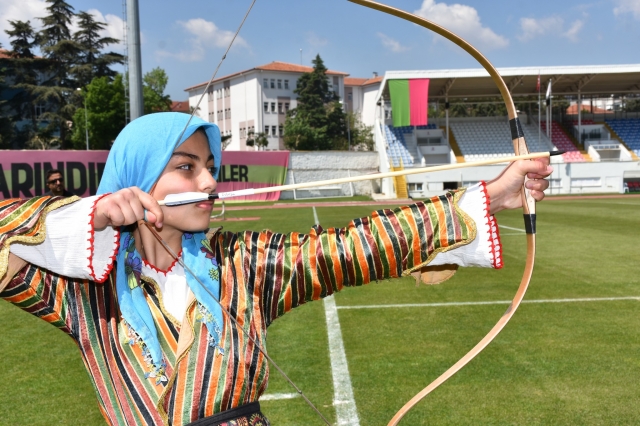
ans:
(189, 170)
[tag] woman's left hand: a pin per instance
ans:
(504, 191)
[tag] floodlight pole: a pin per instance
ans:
(86, 120)
(134, 60)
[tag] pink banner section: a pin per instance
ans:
(419, 101)
(23, 173)
(253, 169)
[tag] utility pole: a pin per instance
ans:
(134, 60)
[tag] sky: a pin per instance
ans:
(188, 38)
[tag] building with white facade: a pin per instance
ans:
(360, 96)
(255, 100)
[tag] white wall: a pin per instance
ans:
(567, 178)
(370, 94)
(322, 165)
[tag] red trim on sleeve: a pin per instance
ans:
(494, 233)
(91, 240)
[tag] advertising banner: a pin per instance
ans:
(23, 173)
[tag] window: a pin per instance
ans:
(273, 83)
(280, 108)
(219, 115)
(273, 130)
(286, 107)
(280, 130)
(415, 187)
(279, 84)
(265, 83)
(266, 130)
(266, 107)
(286, 84)
(227, 113)
(273, 107)
(39, 110)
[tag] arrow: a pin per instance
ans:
(196, 197)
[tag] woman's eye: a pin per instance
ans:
(185, 167)
(212, 170)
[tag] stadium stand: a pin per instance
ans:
(562, 141)
(480, 140)
(628, 130)
(397, 146)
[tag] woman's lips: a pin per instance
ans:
(205, 205)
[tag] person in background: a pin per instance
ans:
(55, 183)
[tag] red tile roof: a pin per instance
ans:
(180, 106)
(273, 66)
(573, 109)
(4, 54)
(352, 81)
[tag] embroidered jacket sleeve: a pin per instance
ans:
(36, 289)
(71, 247)
(288, 270)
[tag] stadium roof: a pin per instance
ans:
(522, 81)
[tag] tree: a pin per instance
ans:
(6, 128)
(155, 81)
(92, 62)
(104, 101)
(259, 140)
(60, 53)
(361, 135)
(24, 67)
(225, 141)
(318, 122)
(632, 105)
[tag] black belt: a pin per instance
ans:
(241, 411)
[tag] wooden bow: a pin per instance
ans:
(528, 203)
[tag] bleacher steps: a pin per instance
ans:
(453, 144)
(619, 139)
(400, 182)
(575, 142)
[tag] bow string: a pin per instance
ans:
(528, 203)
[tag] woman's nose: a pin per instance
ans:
(206, 182)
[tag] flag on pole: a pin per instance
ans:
(538, 84)
(548, 95)
(409, 102)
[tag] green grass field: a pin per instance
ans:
(574, 362)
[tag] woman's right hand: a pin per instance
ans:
(125, 207)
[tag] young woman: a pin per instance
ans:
(157, 345)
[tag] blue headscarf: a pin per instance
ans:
(137, 158)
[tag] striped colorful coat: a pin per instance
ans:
(263, 276)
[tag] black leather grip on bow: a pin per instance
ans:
(530, 223)
(516, 128)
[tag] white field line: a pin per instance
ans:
(343, 400)
(513, 229)
(495, 302)
(315, 216)
(276, 396)
(601, 202)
